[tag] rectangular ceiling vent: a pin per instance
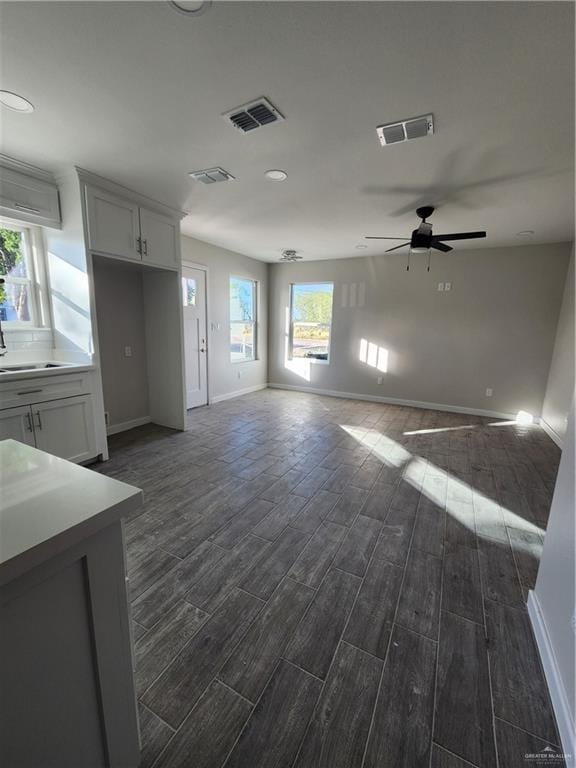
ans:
(211, 175)
(394, 133)
(255, 114)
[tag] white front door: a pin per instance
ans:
(195, 355)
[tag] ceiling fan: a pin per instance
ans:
(422, 239)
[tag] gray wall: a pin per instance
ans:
(495, 328)
(226, 378)
(560, 387)
(120, 317)
(555, 591)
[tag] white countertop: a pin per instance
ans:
(36, 373)
(48, 504)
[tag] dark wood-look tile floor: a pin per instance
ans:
(333, 583)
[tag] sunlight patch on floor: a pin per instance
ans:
(442, 488)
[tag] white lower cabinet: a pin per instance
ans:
(64, 428)
(16, 424)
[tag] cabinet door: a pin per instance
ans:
(16, 424)
(113, 225)
(160, 239)
(65, 428)
(29, 199)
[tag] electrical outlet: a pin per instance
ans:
(440, 286)
(127, 351)
(239, 374)
(489, 391)
(380, 380)
(447, 286)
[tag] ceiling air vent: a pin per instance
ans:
(255, 114)
(211, 175)
(393, 133)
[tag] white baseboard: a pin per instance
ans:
(237, 393)
(398, 401)
(554, 679)
(552, 434)
(124, 426)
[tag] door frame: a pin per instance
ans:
(206, 270)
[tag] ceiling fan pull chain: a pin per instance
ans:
(408, 265)
(429, 255)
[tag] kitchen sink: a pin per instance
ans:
(31, 367)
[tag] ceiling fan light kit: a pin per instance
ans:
(422, 240)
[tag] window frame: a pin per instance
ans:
(254, 322)
(312, 360)
(36, 280)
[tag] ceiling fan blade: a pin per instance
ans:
(396, 247)
(441, 247)
(458, 236)
(371, 237)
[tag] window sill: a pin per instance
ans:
(311, 360)
(21, 328)
(242, 362)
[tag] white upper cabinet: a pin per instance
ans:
(159, 239)
(113, 224)
(29, 199)
(118, 226)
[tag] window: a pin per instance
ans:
(243, 295)
(188, 292)
(18, 292)
(310, 320)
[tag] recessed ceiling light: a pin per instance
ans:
(15, 102)
(526, 233)
(276, 175)
(190, 7)
(361, 247)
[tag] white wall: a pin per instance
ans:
(560, 387)
(224, 377)
(121, 322)
(553, 602)
(68, 277)
(495, 328)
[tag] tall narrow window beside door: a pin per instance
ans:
(243, 320)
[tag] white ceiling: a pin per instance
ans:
(135, 91)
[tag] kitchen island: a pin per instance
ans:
(67, 694)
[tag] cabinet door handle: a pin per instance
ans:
(39, 425)
(145, 245)
(29, 208)
(29, 392)
(29, 423)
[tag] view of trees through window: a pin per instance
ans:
(15, 291)
(311, 319)
(242, 319)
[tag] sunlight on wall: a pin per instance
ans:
(523, 417)
(442, 488)
(70, 302)
(298, 365)
(373, 355)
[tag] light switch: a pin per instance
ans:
(440, 286)
(447, 286)
(127, 351)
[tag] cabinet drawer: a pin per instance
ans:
(29, 199)
(27, 391)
